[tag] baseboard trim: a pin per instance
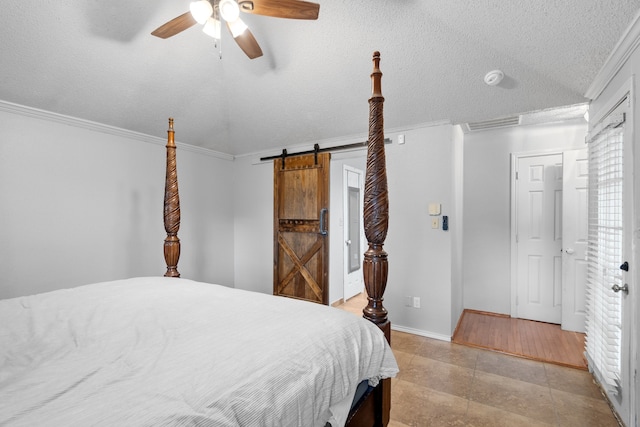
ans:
(338, 302)
(420, 332)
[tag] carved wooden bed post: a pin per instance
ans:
(376, 223)
(376, 208)
(171, 208)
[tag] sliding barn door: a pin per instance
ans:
(301, 227)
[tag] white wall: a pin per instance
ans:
(253, 224)
(486, 252)
(420, 258)
(418, 172)
(82, 203)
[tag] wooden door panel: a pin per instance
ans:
(299, 194)
(301, 252)
(300, 277)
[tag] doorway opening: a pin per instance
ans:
(548, 237)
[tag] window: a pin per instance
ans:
(605, 250)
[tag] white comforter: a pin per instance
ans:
(160, 352)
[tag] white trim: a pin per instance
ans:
(612, 120)
(362, 244)
(419, 126)
(629, 41)
(421, 333)
(513, 273)
(625, 90)
(25, 111)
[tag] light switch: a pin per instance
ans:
(434, 223)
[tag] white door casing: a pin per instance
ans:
(574, 237)
(354, 247)
(538, 237)
(629, 329)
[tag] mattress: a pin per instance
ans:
(173, 352)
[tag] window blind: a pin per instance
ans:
(604, 251)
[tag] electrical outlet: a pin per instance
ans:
(416, 302)
(434, 223)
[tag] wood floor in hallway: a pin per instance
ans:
(540, 341)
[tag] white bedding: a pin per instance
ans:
(167, 352)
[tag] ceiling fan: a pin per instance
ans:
(211, 13)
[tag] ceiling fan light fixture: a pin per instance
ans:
(229, 10)
(212, 28)
(201, 10)
(237, 27)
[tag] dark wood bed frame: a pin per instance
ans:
(374, 407)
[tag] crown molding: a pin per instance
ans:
(25, 111)
(627, 44)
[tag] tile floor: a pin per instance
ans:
(446, 384)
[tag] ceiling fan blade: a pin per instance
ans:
(291, 9)
(175, 26)
(247, 42)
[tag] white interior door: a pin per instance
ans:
(575, 172)
(353, 231)
(539, 237)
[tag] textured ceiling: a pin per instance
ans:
(96, 60)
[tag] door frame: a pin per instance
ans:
(346, 169)
(512, 217)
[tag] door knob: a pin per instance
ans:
(624, 288)
(570, 251)
(348, 242)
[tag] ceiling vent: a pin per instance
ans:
(493, 124)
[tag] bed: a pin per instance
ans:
(167, 351)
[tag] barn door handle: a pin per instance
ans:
(323, 221)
